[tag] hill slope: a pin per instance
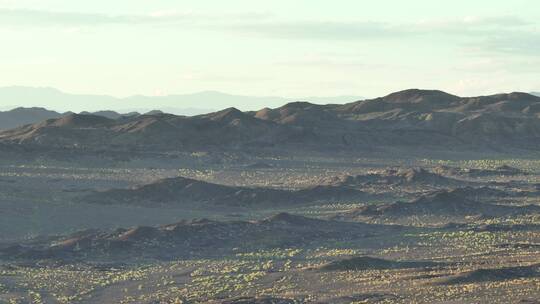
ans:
(193, 238)
(185, 191)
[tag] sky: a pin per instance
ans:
(289, 48)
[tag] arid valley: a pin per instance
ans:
(415, 197)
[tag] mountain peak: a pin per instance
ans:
(227, 114)
(298, 105)
(420, 96)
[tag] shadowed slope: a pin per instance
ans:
(183, 191)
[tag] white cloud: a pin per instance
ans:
(38, 18)
(501, 64)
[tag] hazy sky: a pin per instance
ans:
(281, 47)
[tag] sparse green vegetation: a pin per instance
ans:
(289, 271)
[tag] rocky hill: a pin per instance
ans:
(446, 203)
(400, 176)
(23, 116)
(193, 238)
(161, 132)
(186, 191)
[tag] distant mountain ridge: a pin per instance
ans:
(426, 119)
(180, 104)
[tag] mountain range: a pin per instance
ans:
(180, 104)
(426, 119)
